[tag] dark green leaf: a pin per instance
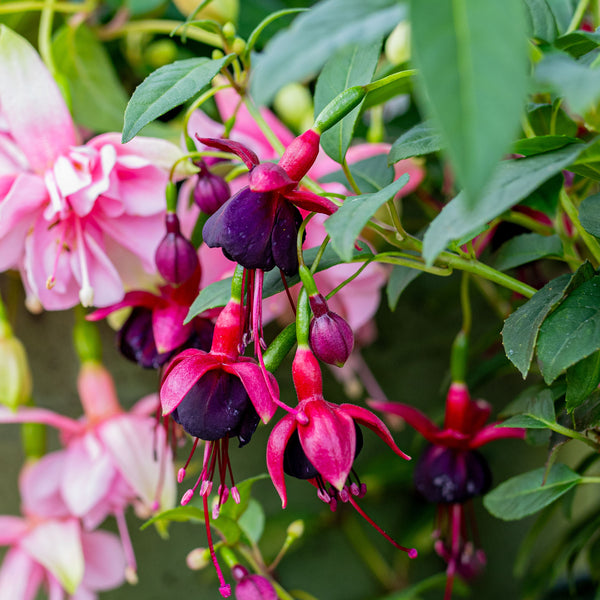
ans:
(526, 494)
(345, 225)
(97, 96)
(399, 279)
(514, 180)
(526, 248)
(421, 139)
(587, 415)
(563, 11)
(588, 162)
(589, 214)
(571, 332)
(538, 413)
(549, 119)
(582, 379)
(252, 521)
(542, 143)
(167, 88)
(542, 25)
(546, 197)
(578, 42)
(466, 52)
(300, 51)
(371, 174)
(350, 66)
(253, 37)
(577, 83)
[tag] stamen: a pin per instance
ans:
(235, 494)
(344, 495)
(206, 488)
(287, 291)
(86, 293)
(181, 472)
(51, 281)
(224, 588)
(412, 552)
(187, 496)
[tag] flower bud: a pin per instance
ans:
(221, 11)
(300, 155)
(397, 46)
(252, 587)
(15, 376)
(294, 104)
(176, 258)
(211, 191)
(198, 558)
(330, 337)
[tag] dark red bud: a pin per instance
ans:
(211, 192)
(330, 337)
(176, 258)
(300, 155)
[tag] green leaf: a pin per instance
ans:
(301, 50)
(587, 415)
(589, 214)
(253, 37)
(180, 514)
(538, 414)
(218, 293)
(371, 174)
(546, 197)
(526, 248)
(578, 43)
(234, 511)
(571, 332)
(167, 88)
(520, 331)
(350, 66)
(547, 119)
(582, 379)
(542, 25)
(526, 494)
(421, 139)
(399, 280)
(466, 51)
(252, 521)
(542, 143)
(513, 181)
(563, 11)
(345, 225)
(577, 83)
(588, 162)
(97, 96)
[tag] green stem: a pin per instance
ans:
(374, 85)
(528, 222)
(465, 303)
(590, 241)
(45, 36)
(578, 15)
(194, 106)
(350, 177)
(300, 238)
(347, 281)
(589, 479)
(63, 7)
(264, 127)
(160, 26)
(575, 435)
(410, 261)
(319, 256)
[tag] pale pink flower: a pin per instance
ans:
(111, 458)
(49, 549)
(72, 216)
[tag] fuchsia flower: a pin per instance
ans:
(48, 548)
(252, 586)
(451, 471)
(111, 458)
(320, 441)
(72, 216)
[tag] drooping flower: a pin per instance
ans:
(72, 216)
(451, 472)
(321, 440)
(111, 458)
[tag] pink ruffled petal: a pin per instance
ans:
(31, 103)
(365, 417)
(329, 441)
(254, 383)
(20, 576)
(104, 561)
(180, 378)
(56, 545)
(278, 440)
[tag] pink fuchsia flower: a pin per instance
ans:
(111, 459)
(72, 216)
(48, 549)
(321, 440)
(451, 472)
(155, 329)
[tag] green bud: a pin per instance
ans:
(280, 347)
(227, 554)
(229, 31)
(239, 46)
(293, 103)
(171, 194)
(198, 558)
(33, 437)
(217, 54)
(221, 11)
(459, 357)
(295, 529)
(15, 376)
(397, 46)
(339, 107)
(86, 338)
(160, 53)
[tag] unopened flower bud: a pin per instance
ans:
(198, 558)
(397, 46)
(211, 191)
(176, 258)
(229, 30)
(252, 587)
(300, 155)
(238, 46)
(296, 529)
(330, 337)
(293, 104)
(15, 376)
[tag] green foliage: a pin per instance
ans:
(420, 139)
(526, 248)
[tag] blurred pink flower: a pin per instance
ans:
(49, 549)
(72, 217)
(111, 458)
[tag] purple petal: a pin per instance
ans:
(284, 238)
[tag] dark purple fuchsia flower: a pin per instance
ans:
(321, 440)
(451, 471)
(259, 225)
(155, 329)
(214, 396)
